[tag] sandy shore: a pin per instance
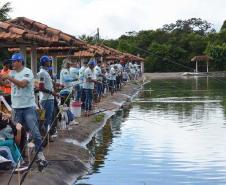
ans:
(68, 157)
(155, 76)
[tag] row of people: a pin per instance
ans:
(79, 81)
(96, 77)
(23, 103)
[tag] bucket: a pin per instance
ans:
(75, 107)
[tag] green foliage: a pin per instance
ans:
(4, 15)
(218, 53)
(4, 11)
(196, 25)
(98, 118)
(4, 54)
(223, 26)
(171, 48)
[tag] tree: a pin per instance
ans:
(218, 53)
(223, 26)
(4, 11)
(190, 25)
(4, 15)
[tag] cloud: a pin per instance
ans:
(115, 17)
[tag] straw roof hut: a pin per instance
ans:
(202, 58)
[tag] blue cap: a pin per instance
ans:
(92, 62)
(17, 57)
(44, 59)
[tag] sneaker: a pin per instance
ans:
(41, 161)
(73, 123)
(54, 135)
(51, 139)
(42, 164)
(5, 164)
(21, 168)
(41, 156)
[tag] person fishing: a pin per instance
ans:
(88, 86)
(23, 101)
(46, 92)
(66, 80)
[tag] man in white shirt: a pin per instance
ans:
(99, 78)
(46, 93)
(88, 85)
(81, 81)
(66, 80)
(74, 72)
(23, 101)
(112, 77)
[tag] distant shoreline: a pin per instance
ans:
(179, 75)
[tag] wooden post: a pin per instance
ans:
(24, 53)
(207, 82)
(34, 60)
(196, 70)
(207, 66)
(82, 61)
(54, 65)
(142, 67)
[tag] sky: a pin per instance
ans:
(116, 17)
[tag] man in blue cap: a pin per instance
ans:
(88, 85)
(23, 101)
(46, 93)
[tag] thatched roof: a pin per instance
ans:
(201, 58)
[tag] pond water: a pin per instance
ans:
(174, 134)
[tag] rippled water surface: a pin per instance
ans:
(174, 134)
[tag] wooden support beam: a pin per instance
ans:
(34, 60)
(24, 53)
(54, 65)
(196, 68)
(142, 67)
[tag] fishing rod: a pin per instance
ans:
(20, 156)
(24, 176)
(33, 160)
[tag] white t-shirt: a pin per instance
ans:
(65, 77)
(98, 72)
(23, 97)
(88, 74)
(125, 75)
(48, 84)
(120, 68)
(81, 75)
(74, 72)
(112, 74)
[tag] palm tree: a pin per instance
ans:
(4, 11)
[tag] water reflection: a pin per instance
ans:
(163, 142)
(99, 145)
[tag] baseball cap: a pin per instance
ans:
(17, 57)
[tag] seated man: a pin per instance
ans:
(8, 147)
